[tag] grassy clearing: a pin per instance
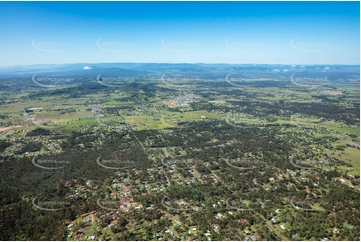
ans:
(170, 119)
(349, 156)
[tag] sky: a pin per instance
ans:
(179, 32)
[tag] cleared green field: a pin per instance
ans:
(349, 171)
(82, 121)
(169, 119)
(331, 125)
(355, 130)
(111, 103)
(62, 119)
(350, 156)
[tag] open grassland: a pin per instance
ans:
(168, 119)
(350, 156)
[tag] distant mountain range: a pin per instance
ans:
(139, 69)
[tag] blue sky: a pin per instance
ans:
(180, 32)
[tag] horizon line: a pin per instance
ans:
(179, 63)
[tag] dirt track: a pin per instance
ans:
(11, 127)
